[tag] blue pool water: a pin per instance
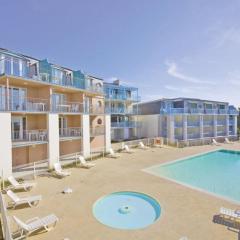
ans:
(216, 172)
(127, 210)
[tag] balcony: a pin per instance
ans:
(231, 122)
(123, 97)
(193, 124)
(27, 136)
(221, 123)
(120, 111)
(24, 104)
(97, 131)
(125, 124)
(208, 123)
(68, 107)
(94, 109)
(178, 124)
(71, 132)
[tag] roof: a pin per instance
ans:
(182, 98)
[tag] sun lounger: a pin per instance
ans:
(127, 149)
(35, 224)
(59, 171)
(214, 142)
(112, 154)
(142, 146)
(228, 141)
(228, 213)
(19, 186)
(84, 163)
(16, 201)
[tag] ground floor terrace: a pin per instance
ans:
(185, 212)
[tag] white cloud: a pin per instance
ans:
(174, 72)
(184, 89)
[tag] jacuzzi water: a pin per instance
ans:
(127, 210)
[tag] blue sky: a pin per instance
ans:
(167, 48)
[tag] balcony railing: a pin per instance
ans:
(70, 107)
(95, 88)
(39, 135)
(28, 104)
(221, 123)
(97, 131)
(120, 111)
(122, 97)
(125, 124)
(193, 124)
(93, 109)
(70, 132)
(208, 123)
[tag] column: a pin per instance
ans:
(170, 128)
(86, 135)
(107, 132)
(215, 125)
(235, 125)
(185, 131)
(227, 125)
(201, 126)
(6, 145)
(53, 139)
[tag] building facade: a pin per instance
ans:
(184, 119)
(119, 101)
(48, 111)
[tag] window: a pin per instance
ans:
(99, 121)
(179, 104)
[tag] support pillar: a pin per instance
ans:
(107, 132)
(227, 125)
(53, 139)
(185, 130)
(86, 135)
(201, 126)
(6, 145)
(170, 128)
(215, 126)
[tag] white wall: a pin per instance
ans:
(86, 135)
(107, 132)
(53, 139)
(6, 145)
(149, 125)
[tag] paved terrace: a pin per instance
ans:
(185, 212)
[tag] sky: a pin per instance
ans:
(166, 48)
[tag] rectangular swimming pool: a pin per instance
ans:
(215, 172)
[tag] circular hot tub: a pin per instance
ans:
(127, 210)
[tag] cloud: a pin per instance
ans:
(221, 36)
(174, 72)
(184, 89)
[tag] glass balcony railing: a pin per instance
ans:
(25, 104)
(208, 123)
(193, 124)
(70, 132)
(123, 97)
(69, 107)
(120, 111)
(221, 123)
(125, 124)
(40, 135)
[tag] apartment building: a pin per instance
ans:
(48, 111)
(119, 101)
(184, 119)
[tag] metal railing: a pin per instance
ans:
(23, 104)
(70, 107)
(120, 111)
(40, 135)
(94, 109)
(70, 132)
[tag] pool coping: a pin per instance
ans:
(149, 171)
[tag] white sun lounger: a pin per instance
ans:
(59, 171)
(214, 142)
(142, 146)
(18, 186)
(228, 141)
(127, 149)
(16, 201)
(226, 212)
(35, 224)
(84, 163)
(112, 154)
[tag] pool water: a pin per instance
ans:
(127, 210)
(216, 172)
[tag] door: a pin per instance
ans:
(17, 99)
(18, 128)
(62, 126)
